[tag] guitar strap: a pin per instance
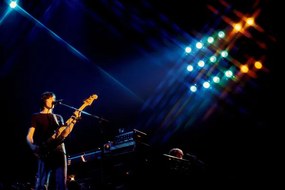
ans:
(57, 122)
(55, 118)
(58, 140)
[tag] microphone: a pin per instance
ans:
(56, 102)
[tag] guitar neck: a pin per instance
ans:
(86, 103)
(72, 117)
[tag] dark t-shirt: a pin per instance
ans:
(45, 125)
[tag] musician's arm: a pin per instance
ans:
(30, 140)
(70, 124)
(66, 129)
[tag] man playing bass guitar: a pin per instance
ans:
(46, 136)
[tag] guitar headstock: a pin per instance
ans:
(90, 100)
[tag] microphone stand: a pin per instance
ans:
(84, 112)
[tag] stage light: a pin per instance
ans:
(224, 53)
(258, 65)
(213, 59)
(216, 79)
(206, 84)
(13, 4)
(199, 45)
(193, 88)
(190, 68)
(201, 63)
(210, 40)
(221, 34)
(244, 69)
(229, 73)
(188, 49)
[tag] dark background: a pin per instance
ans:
(120, 50)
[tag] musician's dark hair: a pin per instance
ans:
(46, 95)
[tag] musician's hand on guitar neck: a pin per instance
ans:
(76, 115)
(66, 130)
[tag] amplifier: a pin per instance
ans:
(122, 148)
(124, 142)
(134, 135)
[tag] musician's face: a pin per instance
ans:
(49, 102)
